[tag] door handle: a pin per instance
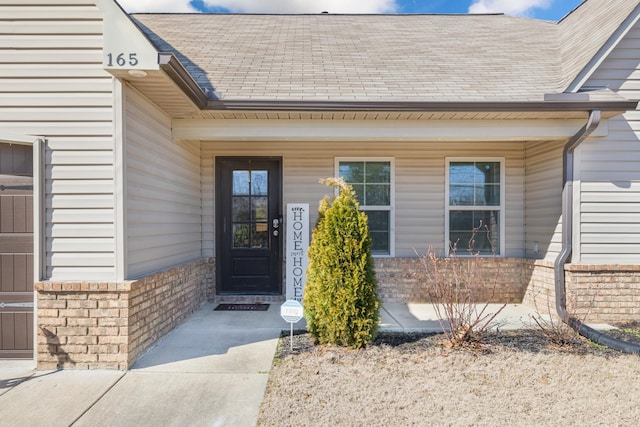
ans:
(276, 223)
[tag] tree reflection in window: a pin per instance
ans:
(249, 210)
(474, 206)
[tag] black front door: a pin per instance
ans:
(248, 225)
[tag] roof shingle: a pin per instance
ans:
(364, 57)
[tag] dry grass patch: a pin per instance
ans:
(516, 378)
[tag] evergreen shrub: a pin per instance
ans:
(340, 301)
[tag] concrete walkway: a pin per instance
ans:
(210, 371)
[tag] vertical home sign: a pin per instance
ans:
(297, 247)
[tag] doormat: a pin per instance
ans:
(242, 307)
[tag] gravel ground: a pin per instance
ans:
(513, 378)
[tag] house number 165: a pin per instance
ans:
(121, 60)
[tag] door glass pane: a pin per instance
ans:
(259, 183)
(240, 235)
(260, 211)
(260, 235)
(250, 209)
(240, 209)
(240, 183)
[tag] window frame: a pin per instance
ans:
(500, 209)
(392, 197)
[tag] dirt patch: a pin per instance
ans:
(514, 378)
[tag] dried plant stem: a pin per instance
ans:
(454, 283)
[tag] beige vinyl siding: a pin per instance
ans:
(52, 84)
(163, 191)
(543, 195)
(609, 169)
(587, 29)
(419, 188)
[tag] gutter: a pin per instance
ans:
(567, 244)
(176, 72)
(419, 106)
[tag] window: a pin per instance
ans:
(372, 180)
(475, 201)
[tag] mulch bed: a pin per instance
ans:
(525, 340)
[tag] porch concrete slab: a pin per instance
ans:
(423, 317)
(55, 398)
(13, 372)
(146, 398)
(218, 342)
(233, 351)
(212, 370)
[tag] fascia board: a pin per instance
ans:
(373, 130)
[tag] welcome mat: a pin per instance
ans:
(242, 307)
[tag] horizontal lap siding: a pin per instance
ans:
(609, 170)
(163, 191)
(419, 175)
(52, 83)
(543, 220)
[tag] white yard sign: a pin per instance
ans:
(297, 247)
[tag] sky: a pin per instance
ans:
(552, 10)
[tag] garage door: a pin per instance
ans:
(16, 251)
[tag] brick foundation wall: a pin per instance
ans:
(595, 293)
(604, 293)
(109, 325)
(540, 292)
(403, 280)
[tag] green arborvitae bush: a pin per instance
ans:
(340, 300)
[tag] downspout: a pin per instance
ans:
(567, 244)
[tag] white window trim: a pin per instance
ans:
(447, 207)
(392, 206)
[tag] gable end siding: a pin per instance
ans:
(609, 168)
(52, 84)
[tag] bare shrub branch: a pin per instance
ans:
(455, 284)
(556, 331)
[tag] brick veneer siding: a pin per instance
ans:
(540, 292)
(595, 293)
(403, 280)
(604, 293)
(109, 325)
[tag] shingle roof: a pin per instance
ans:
(363, 57)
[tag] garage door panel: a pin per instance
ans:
(16, 334)
(16, 273)
(7, 331)
(16, 214)
(20, 273)
(16, 252)
(16, 243)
